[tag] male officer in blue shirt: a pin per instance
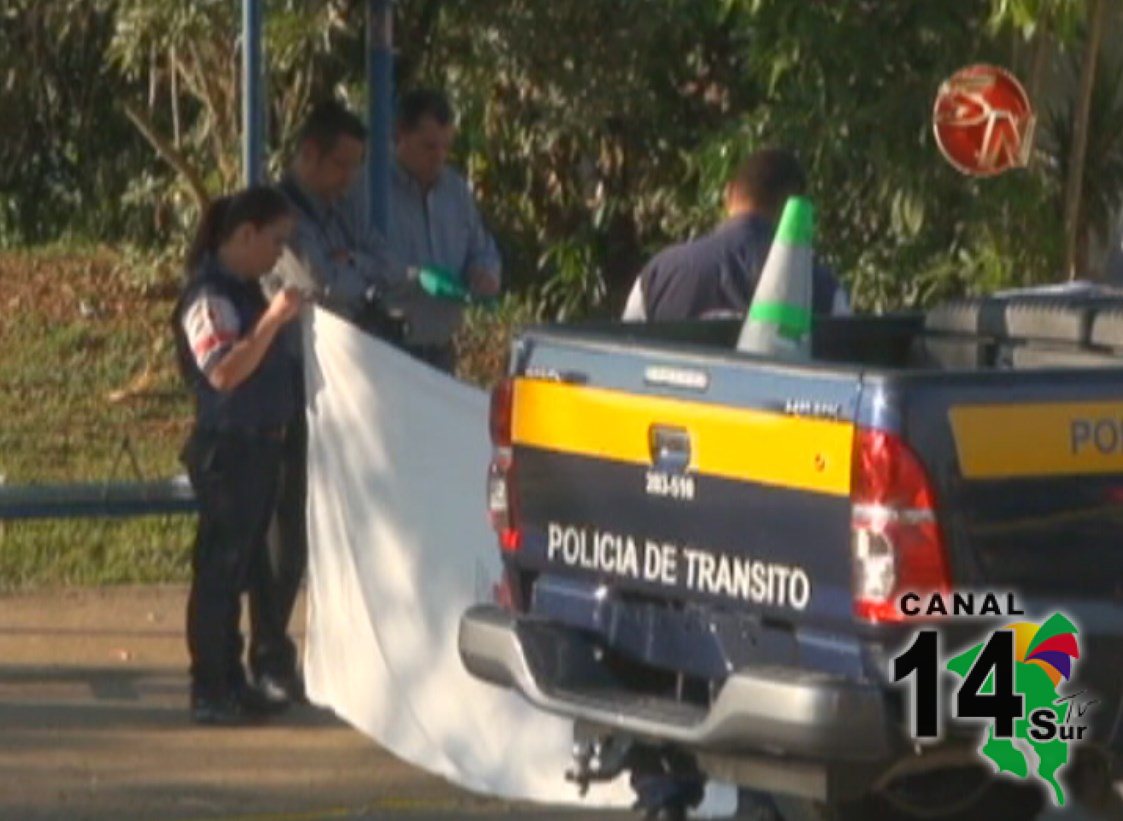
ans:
(345, 264)
(434, 222)
(716, 274)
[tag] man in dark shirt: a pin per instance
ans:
(716, 274)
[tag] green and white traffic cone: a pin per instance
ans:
(778, 323)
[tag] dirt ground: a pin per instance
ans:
(93, 724)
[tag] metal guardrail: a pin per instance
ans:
(112, 499)
(106, 498)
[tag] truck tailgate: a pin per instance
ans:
(688, 482)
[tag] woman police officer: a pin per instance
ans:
(244, 384)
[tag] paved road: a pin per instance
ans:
(93, 724)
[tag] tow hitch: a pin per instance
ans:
(597, 758)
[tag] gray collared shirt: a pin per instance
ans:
(322, 230)
(441, 226)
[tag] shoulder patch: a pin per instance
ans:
(211, 325)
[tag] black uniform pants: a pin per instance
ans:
(235, 477)
(278, 570)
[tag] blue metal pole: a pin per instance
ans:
(253, 120)
(380, 107)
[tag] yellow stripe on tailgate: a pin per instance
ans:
(1044, 439)
(744, 445)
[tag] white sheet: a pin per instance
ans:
(399, 548)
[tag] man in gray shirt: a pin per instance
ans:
(434, 222)
(343, 260)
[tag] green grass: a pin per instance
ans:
(94, 551)
(86, 378)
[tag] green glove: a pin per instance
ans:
(442, 283)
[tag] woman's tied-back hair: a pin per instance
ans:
(259, 205)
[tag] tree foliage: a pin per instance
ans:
(594, 133)
(578, 127)
(68, 161)
(188, 56)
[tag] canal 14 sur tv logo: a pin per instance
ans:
(1010, 680)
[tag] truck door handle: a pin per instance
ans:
(670, 448)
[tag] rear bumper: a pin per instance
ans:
(772, 710)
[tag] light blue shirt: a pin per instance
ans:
(441, 226)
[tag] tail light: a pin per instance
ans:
(896, 543)
(502, 506)
(499, 413)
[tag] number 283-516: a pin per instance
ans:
(670, 485)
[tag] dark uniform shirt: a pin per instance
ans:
(216, 310)
(717, 274)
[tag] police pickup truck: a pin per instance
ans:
(721, 555)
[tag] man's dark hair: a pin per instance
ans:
(768, 177)
(416, 105)
(327, 122)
